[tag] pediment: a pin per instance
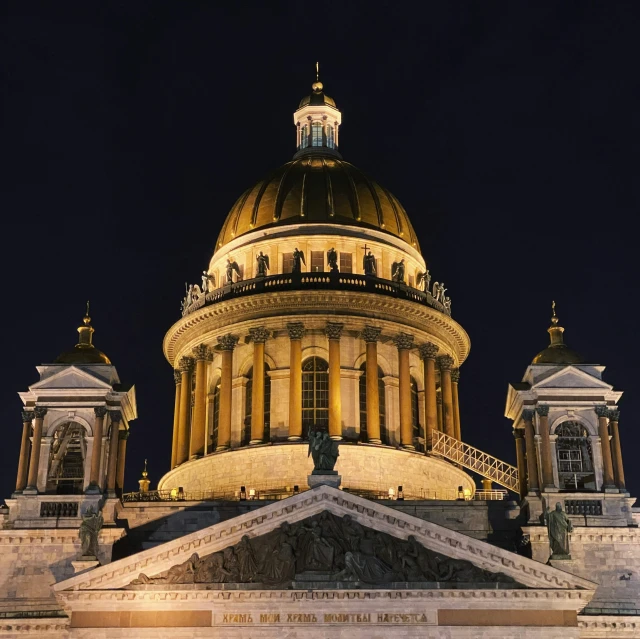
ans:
(70, 377)
(440, 546)
(571, 377)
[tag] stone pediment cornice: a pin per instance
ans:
(120, 573)
(570, 372)
(216, 318)
(71, 377)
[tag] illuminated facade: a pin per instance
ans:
(317, 312)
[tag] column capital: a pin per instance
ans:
(185, 365)
(542, 410)
(518, 433)
(100, 411)
(116, 416)
(123, 434)
(40, 412)
(202, 352)
(227, 342)
(428, 350)
(614, 415)
(370, 333)
(27, 416)
(602, 411)
(333, 330)
(455, 375)
(527, 414)
(259, 335)
(445, 362)
(403, 341)
(296, 330)
(177, 376)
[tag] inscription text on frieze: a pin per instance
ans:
(306, 618)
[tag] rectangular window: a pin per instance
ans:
(317, 261)
(346, 263)
(316, 134)
(287, 262)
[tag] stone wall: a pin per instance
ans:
(376, 468)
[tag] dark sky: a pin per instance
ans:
(509, 131)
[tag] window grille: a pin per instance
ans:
(304, 137)
(316, 134)
(317, 261)
(287, 262)
(315, 395)
(346, 263)
(66, 459)
(330, 137)
(574, 456)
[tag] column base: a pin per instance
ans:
(219, 448)
(611, 489)
(374, 441)
(332, 480)
(408, 447)
(196, 456)
(93, 490)
(336, 438)
(30, 490)
(255, 442)
(551, 489)
(294, 438)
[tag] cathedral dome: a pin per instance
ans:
(317, 97)
(317, 188)
(84, 352)
(557, 352)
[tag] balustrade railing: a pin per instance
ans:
(322, 281)
(474, 459)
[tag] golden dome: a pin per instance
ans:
(84, 352)
(317, 98)
(317, 188)
(557, 352)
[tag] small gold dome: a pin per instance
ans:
(317, 97)
(557, 352)
(84, 352)
(317, 189)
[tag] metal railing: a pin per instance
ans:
(491, 495)
(482, 463)
(317, 281)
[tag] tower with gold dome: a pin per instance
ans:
(317, 311)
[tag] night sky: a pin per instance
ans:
(508, 130)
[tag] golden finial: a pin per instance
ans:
(554, 317)
(554, 330)
(317, 72)
(87, 320)
(317, 85)
(145, 474)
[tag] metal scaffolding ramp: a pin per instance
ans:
(490, 467)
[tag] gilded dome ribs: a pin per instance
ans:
(328, 188)
(242, 202)
(353, 192)
(277, 211)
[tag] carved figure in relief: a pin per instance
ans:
(89, 531)
(231, 267)
(559, 527)
(369, 264)
(246, 559)
(332, 259)
(262, 263)
(211, 570)
(298, 261)
(397, 271)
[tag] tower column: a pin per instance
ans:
(123, 435)
(522, 469)
(404, 343)
(96, 453)
(429, 352)
(112, 468)
(184, 430)
(545, 447)
(607, 463)
(616, 450)
(227, 344)
(32, 481)
(258, 336)
(333, 332)
(446, 363)
(202, 355)
(455, 379)
(23, 462)
(177, 378)
(533, 483)
(296, 333)
(370, 335)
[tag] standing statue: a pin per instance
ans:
(189, 296)
(324, 452)
(438, 292)
(424, 280)
(397, 271)
(369, 264)
(298, 260)
(332, 259)
(559, 527)
(262, 263)
(231, 267)
(208, 282)
(447, 304)
(89, 530)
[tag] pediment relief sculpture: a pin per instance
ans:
(324, 548)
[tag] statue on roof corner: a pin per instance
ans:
(332, 260)
(231, 267)
(262, 263)
(369, 264)
(397, 271)
(298, 260)
(559, 527)
(324, 452)
(89, 531)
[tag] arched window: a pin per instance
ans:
(216, 417)
(316, 134)
(331, 142)
(315, 395)
(575, 458)
(363, 405)
(246, 431)
(66, 459)
(415, 409)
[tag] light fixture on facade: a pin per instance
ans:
(252, 493)
(392, 493)
(243, 493)
(400, 493)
